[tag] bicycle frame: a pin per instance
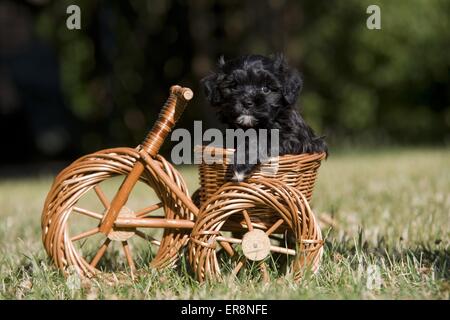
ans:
(169, 115)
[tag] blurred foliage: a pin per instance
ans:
(361, 86)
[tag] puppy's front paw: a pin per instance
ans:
(241, 172)
(238, 176)
(319, 145)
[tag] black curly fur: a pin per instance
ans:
(259, 92)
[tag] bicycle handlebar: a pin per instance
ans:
(168, 116)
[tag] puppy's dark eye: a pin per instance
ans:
(265, 90)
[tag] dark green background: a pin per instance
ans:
(64, 93)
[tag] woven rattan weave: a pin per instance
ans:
(268, 215)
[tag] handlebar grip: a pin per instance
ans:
(168, 116)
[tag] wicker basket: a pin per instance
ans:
(297, 170)
(274, 201)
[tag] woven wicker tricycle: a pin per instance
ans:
(258, 226)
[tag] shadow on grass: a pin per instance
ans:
(420, 259)
(422, 256)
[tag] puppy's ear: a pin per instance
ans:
(292, 85)
(210, 88)
(210, 83)
(292, 81)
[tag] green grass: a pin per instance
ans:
(391, 211)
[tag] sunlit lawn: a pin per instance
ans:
(390, 213)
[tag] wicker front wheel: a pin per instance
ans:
(241, 211)
(64, 208)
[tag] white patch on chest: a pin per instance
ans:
(246, 120)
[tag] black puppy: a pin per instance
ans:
(258, 92)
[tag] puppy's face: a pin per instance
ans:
(252, 91)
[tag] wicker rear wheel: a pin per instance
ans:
(251, 213)
(64, 209)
